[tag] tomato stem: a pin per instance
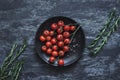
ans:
(73, 34)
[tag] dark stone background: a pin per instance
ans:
(20, 19)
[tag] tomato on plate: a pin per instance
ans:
(61, 62)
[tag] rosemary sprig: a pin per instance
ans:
(8, 63)
(102, 31)
(104, 39)
(16, 70)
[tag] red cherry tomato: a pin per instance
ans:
(66, 41)
(48, 44)
(51, 33)
(46, 32)
(60, 23)
(66, 28)
(55, 53)
(59, 30)
(61, 53)
(66, 48)
(60, 43)
(60, 37)
(54, 26)
(49, 51)
(52, 59)
(53, 41)
(42, 38)
(66, 34)
(55, 47)
(44, 48)
(72, 28)
(48, 38)
(61, 62)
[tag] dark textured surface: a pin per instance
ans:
(20, 19)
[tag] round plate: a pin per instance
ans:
(76, 46)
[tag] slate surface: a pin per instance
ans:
(20, 19)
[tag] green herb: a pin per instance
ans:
(113, 28)
(103, 30)
(11, 66)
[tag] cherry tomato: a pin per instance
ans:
(66, 34)
(42, 38)
(60, 37)
(72, 28)
(66, 28)
(60, 43)
(44, 48)
(55, 47)
(48, 44)
(52, 59)
(55, 53)
(60, 23)
(66, 41)
(48, 38)
(49, 51)
(51, 33)
(61, 53)
(61, 62)
(53, 41)
(59, 30)
(66, 48)
(46, 32)
(54, 26)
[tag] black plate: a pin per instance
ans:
(76, 47)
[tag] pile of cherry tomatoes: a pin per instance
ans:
(56, 41)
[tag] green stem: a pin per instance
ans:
(102, 31)
(104, 40)
(16, 70)
(5, 69)
(73, 34)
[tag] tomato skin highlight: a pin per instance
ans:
(49, 51)
(60, 44)
(53, 41)
(51, 33)
(66, 34)
(44, 48)
(42, 38)
(59, 30)
(55, 53)
(55, 47)
(46, 33)
(66, 28)
(60, 23)
(60, 37)
(61, 62)
(66, 48)
(66, 41)
(54, 26)
(48, 38)
(72, 28)
(52, 59)
(48, 44)
(61, 53)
